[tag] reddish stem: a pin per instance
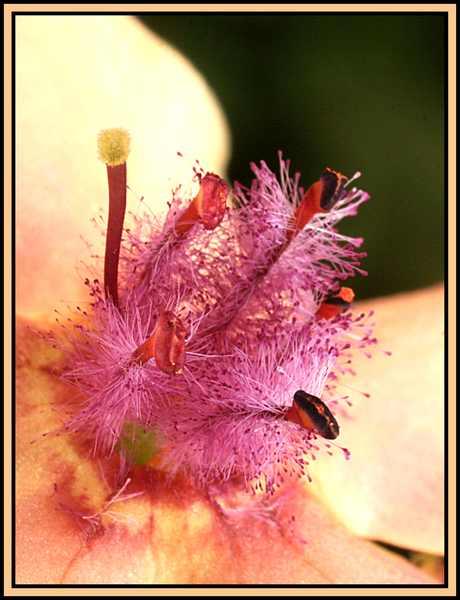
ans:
(117, 206)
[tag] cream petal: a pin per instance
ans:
(76, 75)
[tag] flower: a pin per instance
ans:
(182, 535)
(216, 326)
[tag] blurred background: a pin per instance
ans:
(353, 92)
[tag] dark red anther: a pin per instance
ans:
(335, 303)
(333, 185)
(320, 197)
(311, 413)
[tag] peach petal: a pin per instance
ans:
(169, 534)
(392, 488)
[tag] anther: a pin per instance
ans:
(208, 206)
(335, 303)
(312, 414)
(320, 197)
(166, 345)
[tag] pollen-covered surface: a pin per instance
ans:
(247, 294)
(113, 146)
